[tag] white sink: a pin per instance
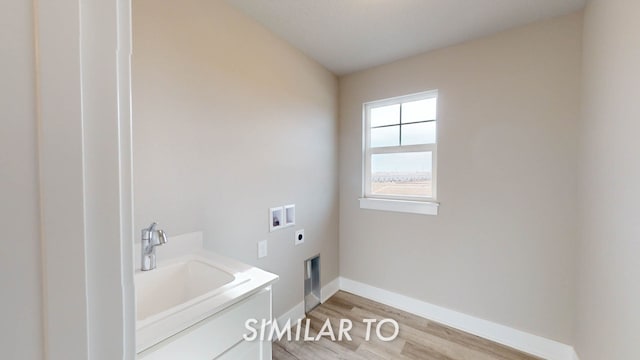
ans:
(184, 290)
(169, 288)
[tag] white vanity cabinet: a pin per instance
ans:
(219, 336)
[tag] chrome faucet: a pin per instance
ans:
(150, 239)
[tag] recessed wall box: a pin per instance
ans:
(290, 215)
(276, 218)
(312, 283)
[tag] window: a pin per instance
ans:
(400, 154)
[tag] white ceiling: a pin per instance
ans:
(351, 35)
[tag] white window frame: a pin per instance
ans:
(398, 203)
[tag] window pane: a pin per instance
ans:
(402, 174)
(385, 115)
(385, 136)
(419, 110)
(420, 133)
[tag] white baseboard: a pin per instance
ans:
(520, 340)
(297, 312)
(330, 289)
(293, 315)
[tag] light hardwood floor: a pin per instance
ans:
(418, 338)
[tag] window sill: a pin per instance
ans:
(403, 206)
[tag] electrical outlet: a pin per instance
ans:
(299, 239)
(262, 249)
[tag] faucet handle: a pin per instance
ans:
(162, 237)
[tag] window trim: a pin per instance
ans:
(403, 206)
(394, 202)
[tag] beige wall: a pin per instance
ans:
(20, 271)
(229, 121)
(608, 316)
(502, 247)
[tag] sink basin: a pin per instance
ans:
(170, 288)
